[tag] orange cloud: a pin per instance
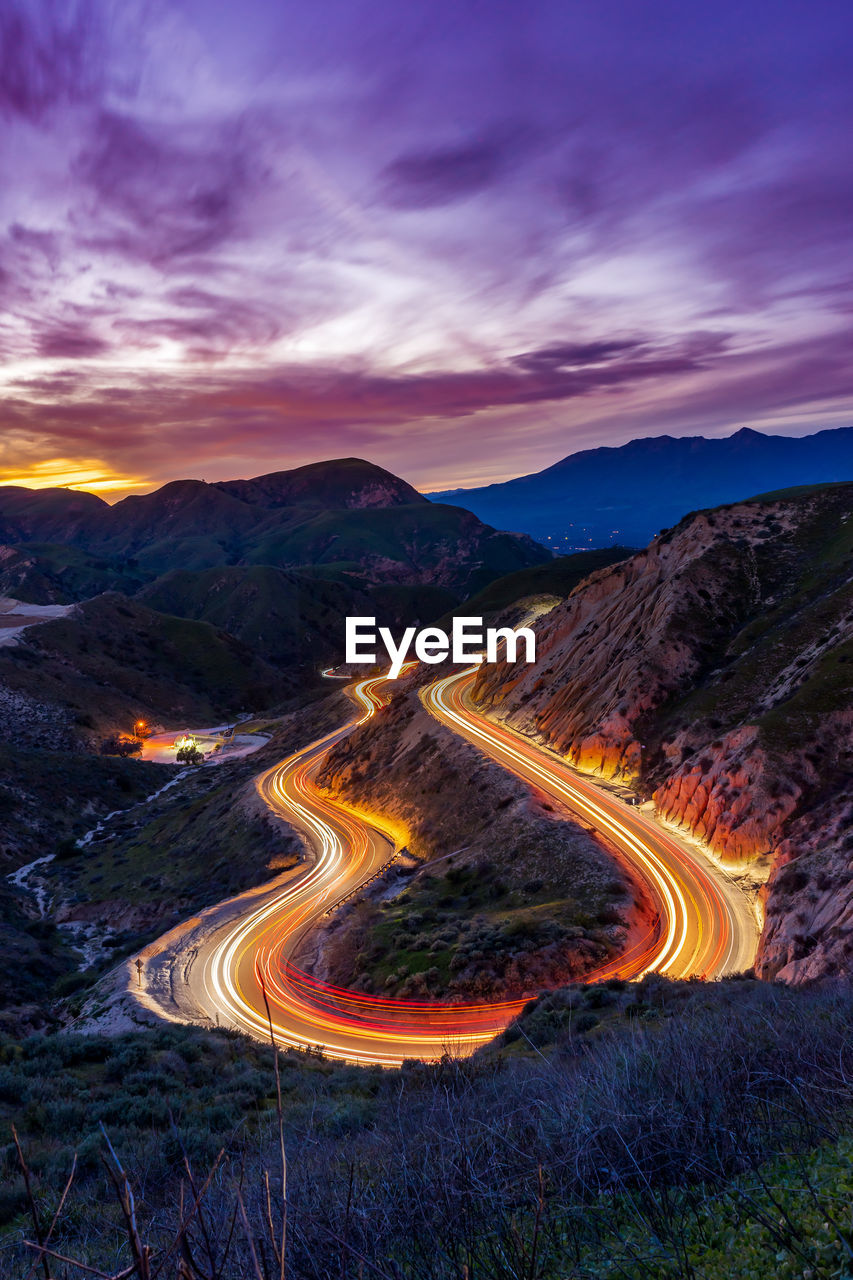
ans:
(74, 473)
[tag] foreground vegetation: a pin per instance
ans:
(687, 1130)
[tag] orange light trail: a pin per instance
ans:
(709, 926)
(702, 925)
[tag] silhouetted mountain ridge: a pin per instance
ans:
(47, 515)
(344, 516)
(628, 493)
(349, 483)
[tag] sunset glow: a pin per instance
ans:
(462, 241)
(67, 474)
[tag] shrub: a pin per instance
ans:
(118, 746)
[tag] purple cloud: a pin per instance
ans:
(166, 196)
(283, 419)
(49, 57)
(552, 220)
(67, 343)
(574, 355)
(425, 179)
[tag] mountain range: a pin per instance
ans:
(197, 600)
(600, 497)
(338, 517)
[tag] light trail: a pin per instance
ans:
(253, 959)
(702, 925)
(710, 928)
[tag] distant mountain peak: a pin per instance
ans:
(338, 483)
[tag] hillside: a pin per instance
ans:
(550, 581)
(627, 494)
(344, 484)
(113, 661)
(507, 897)
(659, 1130)
(281, 614)
(48, 798)
(48, 515)
(59, 573)
(345, 515)
(286, 615)
(207, 837)
(714, 668)
(65, 686)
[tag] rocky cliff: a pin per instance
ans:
(715, 669)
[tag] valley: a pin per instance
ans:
(587, 890)
(236, 966)
(500, 886)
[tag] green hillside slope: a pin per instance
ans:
(345, 512)
(114, 661)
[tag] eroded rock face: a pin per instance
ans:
(808, 899)
(715, 669)
(732, 798)
(619, 646)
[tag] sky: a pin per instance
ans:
(461, 238)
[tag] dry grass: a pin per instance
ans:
(588, 1158)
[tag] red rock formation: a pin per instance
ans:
(729, 799)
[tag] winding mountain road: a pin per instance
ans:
(704, 925)
(234, 964)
